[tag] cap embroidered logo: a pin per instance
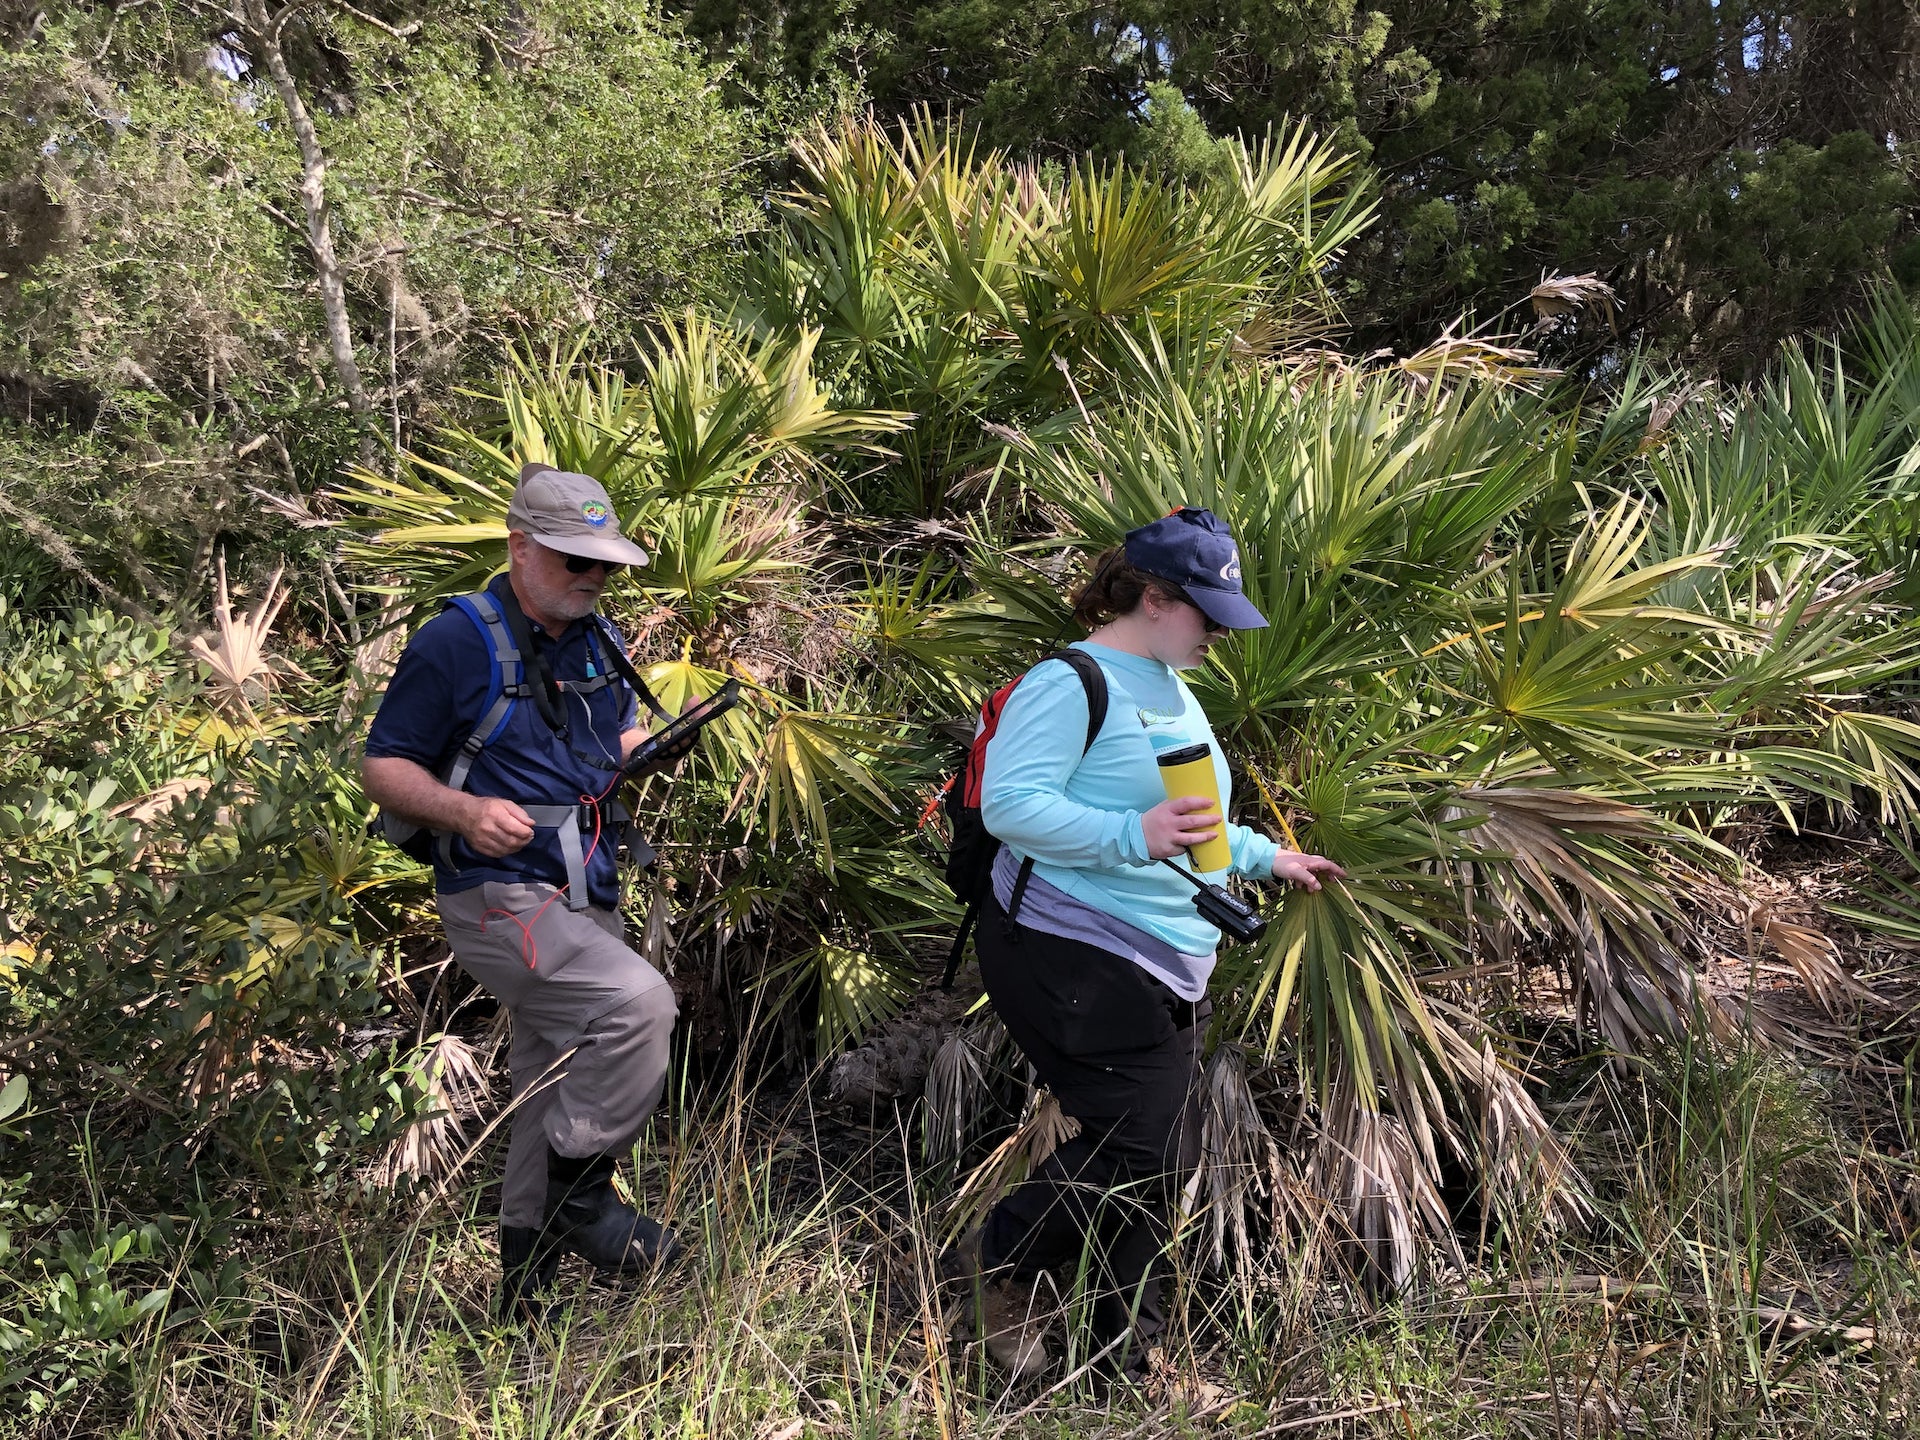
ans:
(1231, 570)
(594, 513)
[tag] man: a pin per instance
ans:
(501, 734)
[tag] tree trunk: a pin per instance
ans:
(265, 33)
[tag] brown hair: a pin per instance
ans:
(1116, 589)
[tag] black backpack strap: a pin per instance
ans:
(1094, 681)
(1019, 894)
(967, 919)
(545, 693)
(623, 667)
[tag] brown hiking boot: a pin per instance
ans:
(1003, 1314)
(1013, 1327)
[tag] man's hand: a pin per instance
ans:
(497, 827)
(638, 734)
(1173, 825)
(493, 827)
(1303, 872)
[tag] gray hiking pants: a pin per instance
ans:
(591, 1021)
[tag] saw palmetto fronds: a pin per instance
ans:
(240, 669)
(452, 1082)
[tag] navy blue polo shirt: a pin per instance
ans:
(437, 696)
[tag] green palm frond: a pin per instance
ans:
(812, 757)
(719, 412)
(854, 989)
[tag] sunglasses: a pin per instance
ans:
(1211, 625)
(581, 564)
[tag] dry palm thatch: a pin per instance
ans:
(1813, 956)
(1578, 864)
(1660, 419)
(448, 1072)
(240, 672)
(1557, 296)
(1043, 1128)
(1240, 1164)
(1379, 1190)
(1457, 358)
(1527, 1169)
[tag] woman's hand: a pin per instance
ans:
(1173, 825)
(1303, 872)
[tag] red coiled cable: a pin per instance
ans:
(528, 950)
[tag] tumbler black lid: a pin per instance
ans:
(1184, 754)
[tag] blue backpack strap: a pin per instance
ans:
(506, 681)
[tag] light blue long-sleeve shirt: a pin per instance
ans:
(1079, 818)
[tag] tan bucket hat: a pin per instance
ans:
(570, 513)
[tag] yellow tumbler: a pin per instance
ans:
(1189, 771)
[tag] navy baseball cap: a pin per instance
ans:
(1192, 549)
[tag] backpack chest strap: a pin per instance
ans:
(570, 823)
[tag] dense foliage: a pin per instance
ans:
(1554, 667)
(168, 376)
(1735, 169)
(1536, 666)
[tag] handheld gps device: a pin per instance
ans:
(664, 747)
(1222, 909)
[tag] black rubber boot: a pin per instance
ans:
(586, 1217)
(528, 1269)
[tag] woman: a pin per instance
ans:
(1101, 976)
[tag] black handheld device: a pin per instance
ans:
(662, 749)
(1226, 912)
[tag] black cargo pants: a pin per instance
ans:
(1121, 1052)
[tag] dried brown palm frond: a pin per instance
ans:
(143, 810)
(449, 1073)
(240, 672)
(1660, 419)
(1378, 1190)
(1043, 1128)
(1814, 958)
(373, 658)
(162, 798)
(1579, 864)
(1525, 1168)
(1463, 357)
(1768, 923)
(1560, 295)
(957, 1085)
(1631, 985)
(217, 1048)
(1240, 1164)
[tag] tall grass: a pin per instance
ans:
(1740, 1260)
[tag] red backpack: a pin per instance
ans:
(970, 858)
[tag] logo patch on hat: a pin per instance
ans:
(594, 513)
(1231, 570)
